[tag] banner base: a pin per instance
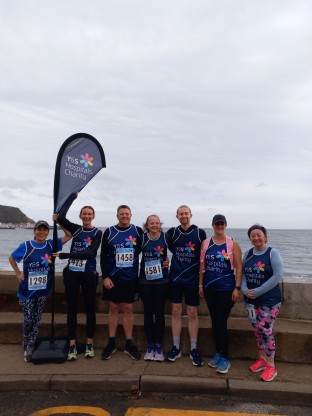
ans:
(51, 352)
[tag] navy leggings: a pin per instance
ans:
(154, 300)
(88, 282)
(219, 304)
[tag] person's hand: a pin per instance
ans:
(108, 283)
(20, 276)
(235, 295)
(201, 292)
(166, 263)
(55, 254)
(250, 294)
(54, 217)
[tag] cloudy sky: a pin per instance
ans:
(198, 102)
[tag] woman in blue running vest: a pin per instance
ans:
(35, 280)
(220, 282)
(262, 272)
(81, 272)
(154, 284)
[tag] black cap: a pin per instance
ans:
(217, 218)
(41, 223)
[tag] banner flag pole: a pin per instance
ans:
(79, 159)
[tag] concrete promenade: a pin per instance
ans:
(293, 332)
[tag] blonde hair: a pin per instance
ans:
(145, 225)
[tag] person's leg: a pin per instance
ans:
(127, 319)
(89, 282)
(113, 311)
(160, 293)
(38, 309)
(146, 295)
(72, 288)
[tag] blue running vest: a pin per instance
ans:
(82, 240)
(154, 252)
(123, 253)
(184, 268)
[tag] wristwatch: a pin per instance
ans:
(238, 287)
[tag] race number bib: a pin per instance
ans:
(153, 270)
(76, 265)
(37, 280)
(124, 257)
(251, 313)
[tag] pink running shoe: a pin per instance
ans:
(258, 365)
(268, 374)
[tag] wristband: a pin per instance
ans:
(200, 286)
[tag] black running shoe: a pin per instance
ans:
(108, 351)
(132, 350)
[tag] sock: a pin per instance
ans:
(193, 344)
(176, 342)
(112, 340)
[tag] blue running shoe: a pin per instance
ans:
(196, 358)
(223, 366)
(173, 354)
(214, 360)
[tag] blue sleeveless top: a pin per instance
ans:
(82, 240)
(154, 252)
(184, 268)
(219, 274)
(258, 270)
(37, 268)
(123, 253)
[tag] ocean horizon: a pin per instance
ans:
(293, 245)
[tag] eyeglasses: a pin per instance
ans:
(219, 223)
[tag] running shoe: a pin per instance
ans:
(269, 373)
(223, 366)
(173, 354)
(89, 351)
(108, 351)
(214, 360)
(131, 349)
(196, 358)
(258, 365)
(159, 355)
(149, 355)
(72, 353)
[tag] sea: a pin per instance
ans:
(295, 247)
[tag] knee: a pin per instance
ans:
(192, 312)
(176, 310)
(128, 309)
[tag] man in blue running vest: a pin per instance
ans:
(184, 242)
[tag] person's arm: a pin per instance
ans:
(237, 254)
(202, 235)
(202, 268)
(13, 263)
(278, 269)
(90, 253)
(104, 253)
(169, 235)
(68, 235)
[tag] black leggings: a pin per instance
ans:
(219, 304)
(88, 282)
(154, 300)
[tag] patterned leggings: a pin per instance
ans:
(32, 309)
(265, 317)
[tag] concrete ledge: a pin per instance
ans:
(105, 383)
(297, 298)
(25, 382)
(267, 392)
(169, 384)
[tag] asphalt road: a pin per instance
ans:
(26, 403)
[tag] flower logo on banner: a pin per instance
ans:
(259, 267)
(131, 241)
(86, 160)
(222, 255)
(87, 242)
(189, 247)
(46, 260)
(158, 251)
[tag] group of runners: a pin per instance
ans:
(134, 261)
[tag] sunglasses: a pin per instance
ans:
(219, 223)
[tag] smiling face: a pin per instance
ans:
(153, 224)
(124, 217)
(41, 234)
(258, 239)
(184, 216)
(219, 228)
(87, 216)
